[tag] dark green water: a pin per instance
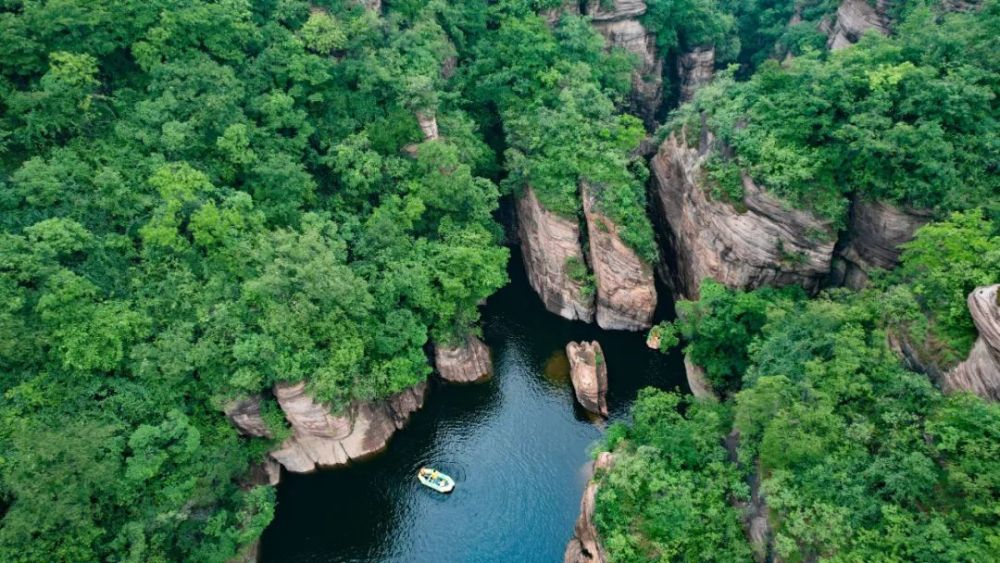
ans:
(516, 445)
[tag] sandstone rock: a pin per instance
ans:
(695, 69)
(647, 80)
(267, 472)
(589, 372)
(875, 232)
(980, 372)
(697, 381)
(428, 124)
(465, 363)
(653, 340)
(626, 292)
(548, 243)
(765, 242)
(321, 439)
(585, 545)
(244, 414)
(619, 10)
(854, 18)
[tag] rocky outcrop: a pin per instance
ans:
(980, 372)
(321, 439)
(697, 381)
(585, 545)
(754, 512)
(854, 18)
(620, 26)
(465, 363)
(589, 372)
(553, 15)
(875, 232)
(550, 245)
(373, 5)
(764, 241)
(626, 292)
(695, 69)
(244, 414)
(428, 124)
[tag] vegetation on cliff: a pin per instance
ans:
(909, 119)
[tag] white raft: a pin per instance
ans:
(436, 480)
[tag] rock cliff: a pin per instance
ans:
(854, 18)
(550, 244)
(764, 242)
(980, 372)
(626, 292)
(695, 69)
(875, 232)
(465, 363)
(428, 124)
(697, 381)
(620, 26)
(244, 414)
(585, 545)
(321, 439)
(589, 372)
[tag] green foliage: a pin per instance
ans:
(941, 266)
(667, 497)
(906, 119)
(198, 200)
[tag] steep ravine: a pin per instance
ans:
(516, 443)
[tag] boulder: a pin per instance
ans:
(875, 232)
(465, 363)
(764, 241)
(244, 414)
(585, 545)
(854, 18)
(620, 27)
(626, 292)
(320, 439)
(980, 372)
(549, 244)
(589, 372)
(695, 69)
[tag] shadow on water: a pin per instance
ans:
(516, 446)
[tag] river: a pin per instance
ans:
(517, 446)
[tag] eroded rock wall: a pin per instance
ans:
(763, 242)
(980, 372)
(585, 545)
(626, 292)
(245, 415)
(621, 27)
(695, 69)
(875, 232)
(549, 243)
(320, 439)
(465, 363)
(854, 18)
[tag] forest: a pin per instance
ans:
(202, 198)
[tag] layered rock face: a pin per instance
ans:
(876, 230)
(465, 363)
(626, 292)
(244, 414)
(428, 124)
(321, 439)
(585, 545)
(589, 372)
(980, 372)
(548, 243)
(553, 15)
(695, 69)
(854, 18)
(620, 26)
(767, 243)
